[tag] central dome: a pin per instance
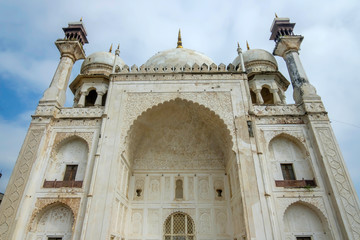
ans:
(178, 57)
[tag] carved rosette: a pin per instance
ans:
(18, 180)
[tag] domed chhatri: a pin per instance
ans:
(101, 63)
(258, 60)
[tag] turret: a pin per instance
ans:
(288, 46)
(71, 50)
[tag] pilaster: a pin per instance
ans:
(339, 186)
(19, 179)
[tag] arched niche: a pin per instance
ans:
(178, 134)
(55, 220)
(287, 151)
(302, 221)
(253, 97)
(72, 151)
(267, 96)
(91, 98)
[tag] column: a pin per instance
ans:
(70, 51)
(288, 48)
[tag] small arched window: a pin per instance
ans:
(179, 226)
(179, 189)
(253, 97)
(104, 99)
(267, 96)
(91, 98)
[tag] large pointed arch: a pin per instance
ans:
(208, 128)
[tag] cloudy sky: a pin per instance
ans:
(28, 56)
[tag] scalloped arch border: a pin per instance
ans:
(39, 212)
(319, 212)
(225, 128)
(62, 138)
(184, 100)
(293, 138)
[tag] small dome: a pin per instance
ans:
(178, 57)
(100, 63)
(257, 60)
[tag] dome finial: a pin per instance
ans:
(276, 16)
(179, 42)
(247, 45)
(110, 50)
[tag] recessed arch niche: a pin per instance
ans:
(301, 219)
(55, 220)
(181, 135)
(72, 150)
(285, 149)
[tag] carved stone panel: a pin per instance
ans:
(154, 222)
(18, 181)
(204, 190)
(139, 188)
(221, 221)
(190, 188)
(154, 188)
(205, 221)
(342, 183)
(137, 222)
(167, 192)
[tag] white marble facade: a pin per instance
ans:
(178, 148)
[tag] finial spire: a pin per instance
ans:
(117, 51)
(110, 50)
(81, 19)
(239, 50)
(179, 42)
(276, 16)
(247, 45)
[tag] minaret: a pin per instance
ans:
(239, 50)
(288, 46)
(337, 183)
(71, 50)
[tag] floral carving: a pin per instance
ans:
(90, 112)
(271, 110)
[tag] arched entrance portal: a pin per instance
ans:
(179, 226)
(179, 158)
